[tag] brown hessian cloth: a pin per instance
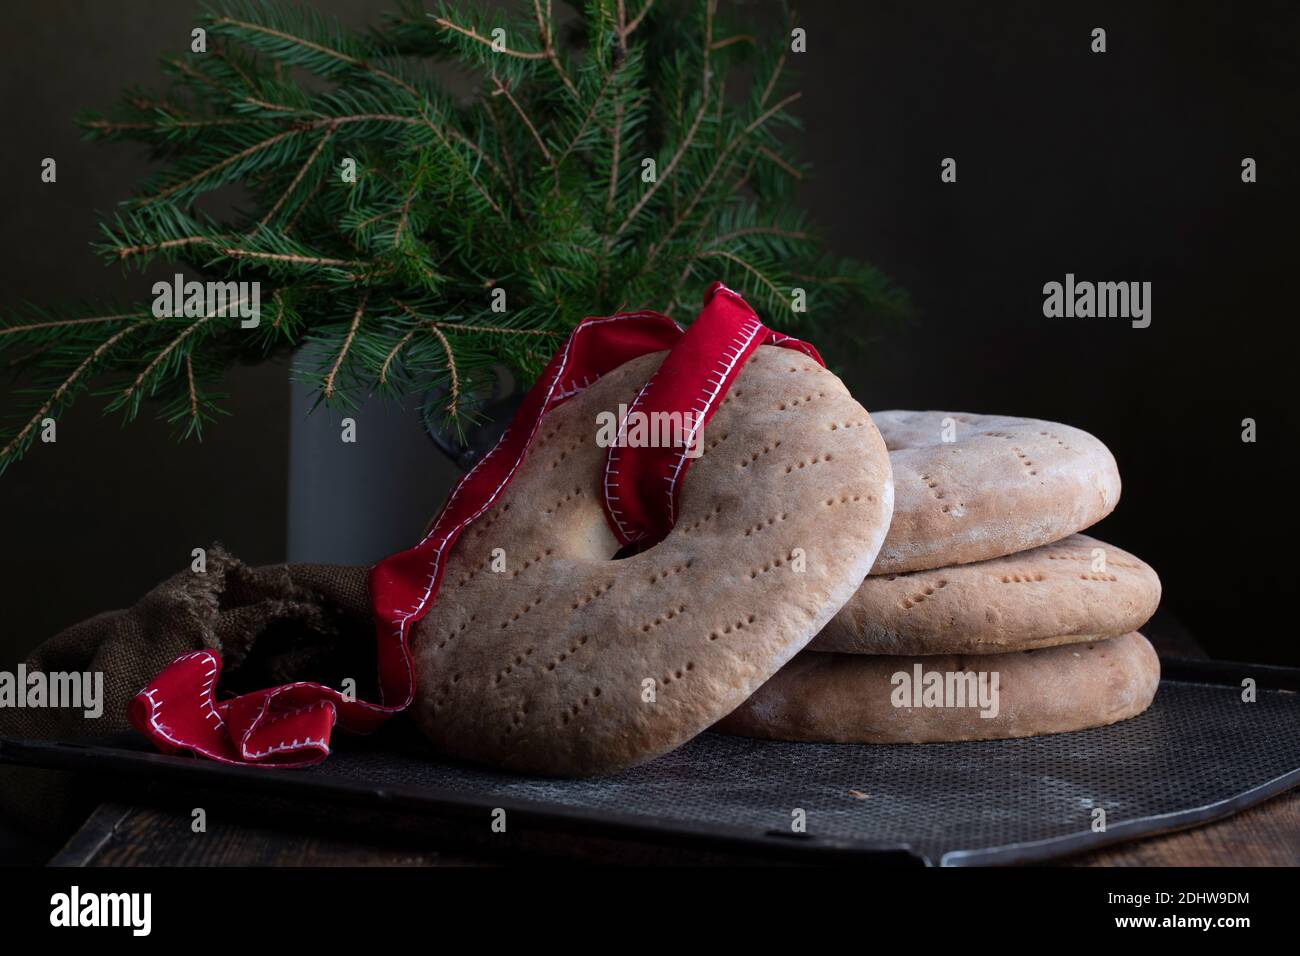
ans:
(271, 625)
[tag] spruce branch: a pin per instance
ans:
(387, 279)
(710, 7)
(503, 90)
(636, 21)
(293, 184)
(478, 38)
(23, 436)
(327, 386)
(452, 374)
(61, 324)
(548, 47)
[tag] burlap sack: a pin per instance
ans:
(270, 624)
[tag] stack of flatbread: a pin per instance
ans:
(987, 614)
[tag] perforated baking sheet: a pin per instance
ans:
(1199, 753)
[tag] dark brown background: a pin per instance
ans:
(1123, 166)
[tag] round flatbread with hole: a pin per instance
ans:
(544, 654)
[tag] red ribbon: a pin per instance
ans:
(290, 725)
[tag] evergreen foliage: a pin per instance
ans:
(534, 185)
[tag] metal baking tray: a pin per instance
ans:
(1198, 754)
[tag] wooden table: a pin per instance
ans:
(119, 834)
